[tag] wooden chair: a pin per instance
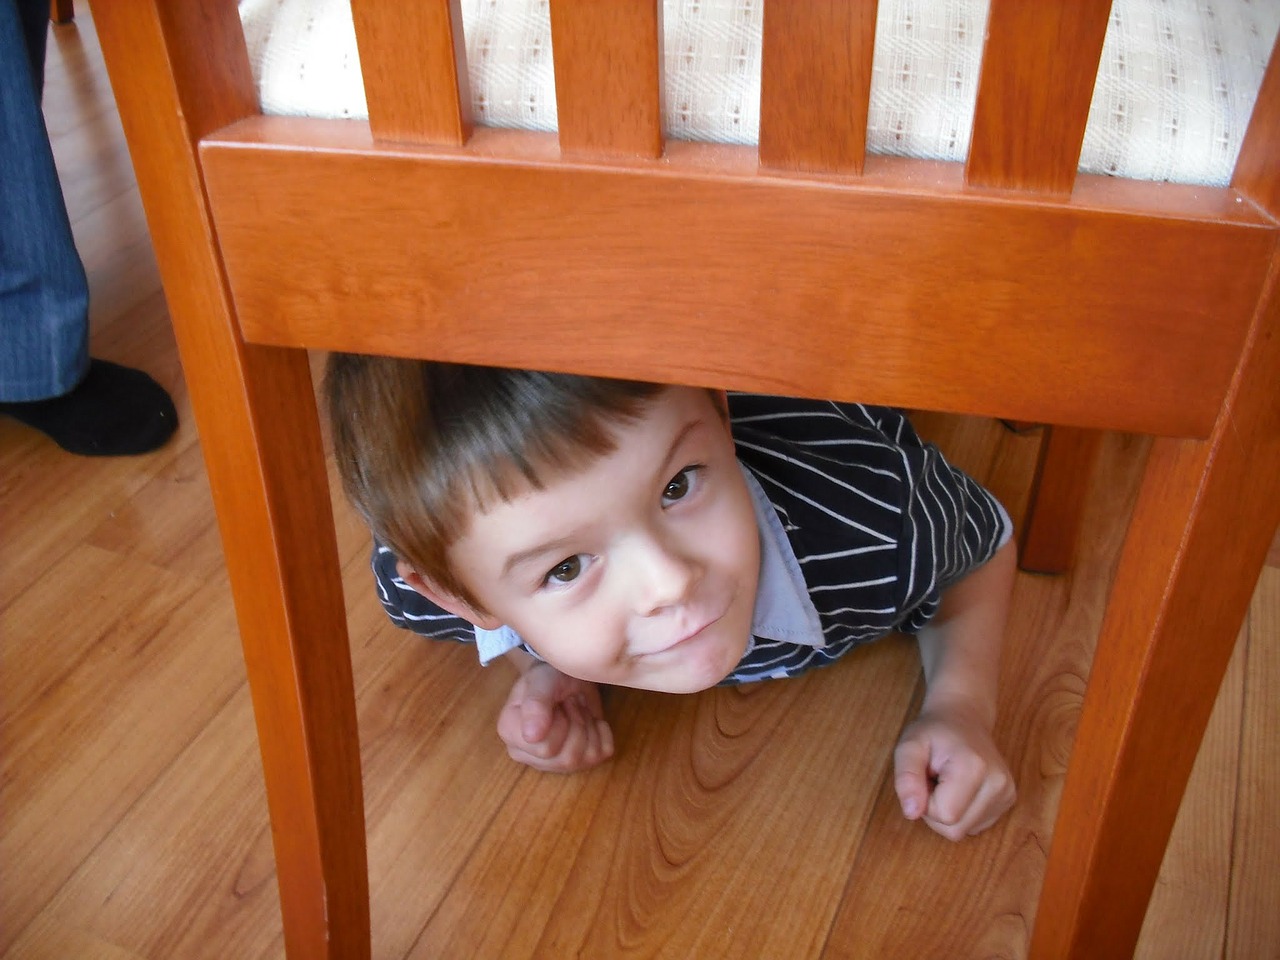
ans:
(1155, 310)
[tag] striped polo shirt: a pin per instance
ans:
(862, 526)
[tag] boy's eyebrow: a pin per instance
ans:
(688, 428)
(524, 556)
(564, 543)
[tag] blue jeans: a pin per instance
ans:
(44, 295)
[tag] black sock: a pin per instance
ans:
(113, 411)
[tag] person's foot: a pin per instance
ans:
(114, 411)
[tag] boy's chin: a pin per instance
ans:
(691, 671)
(696, 674)
(683, 684)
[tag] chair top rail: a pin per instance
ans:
(1120, 308)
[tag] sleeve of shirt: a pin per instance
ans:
(409, 609)
(951, 525)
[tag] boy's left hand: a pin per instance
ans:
(555, 723)
(948, 772)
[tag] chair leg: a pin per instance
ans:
(1058, 493)
(62, 11)
(266, 465)
(1200, 531)
(278, 536)
(260, 435)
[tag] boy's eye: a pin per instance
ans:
(679, 485)
(566, 571)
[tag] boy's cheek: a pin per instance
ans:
(570, 651)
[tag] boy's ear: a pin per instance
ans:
(444, 599)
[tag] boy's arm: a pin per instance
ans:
(947, 770)
(551, 721)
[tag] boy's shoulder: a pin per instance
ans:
(409, 609)
(868, 447)
(832, 471)
(801, 420)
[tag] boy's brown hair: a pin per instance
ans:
(422, 445)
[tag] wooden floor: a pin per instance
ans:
(740, 823)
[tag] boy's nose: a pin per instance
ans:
(664, 577)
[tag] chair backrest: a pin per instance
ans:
(603, 232)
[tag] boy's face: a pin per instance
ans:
(641, 569)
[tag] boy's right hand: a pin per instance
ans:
(555, 723)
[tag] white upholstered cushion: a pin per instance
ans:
(1175, 88)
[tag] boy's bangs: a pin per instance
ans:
(526, 453)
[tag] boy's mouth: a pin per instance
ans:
(688, 636)
(695, 634)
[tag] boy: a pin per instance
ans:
(674, 538)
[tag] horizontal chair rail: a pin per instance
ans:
(1075, 312)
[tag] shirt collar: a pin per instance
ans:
(783, 609)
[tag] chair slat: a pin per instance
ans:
(608, 61)
(815, 84)
(1038, 72)
(414, 61)
(1257, 171)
